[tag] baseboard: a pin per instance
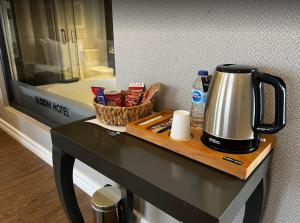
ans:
(84, 182)
(26, 141)
(139, 218)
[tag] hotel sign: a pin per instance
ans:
(60, 109)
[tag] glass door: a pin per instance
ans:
(65, 24)
(37, 34)
(73, 44)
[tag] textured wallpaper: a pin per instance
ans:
(169, 41)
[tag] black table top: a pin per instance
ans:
(149, 170)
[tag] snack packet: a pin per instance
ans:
(134, 95)
(100, 98)
(96, 89)
(113, 98)
(150, 93)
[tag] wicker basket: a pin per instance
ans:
(120, 116)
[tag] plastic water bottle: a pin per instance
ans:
(199, 95)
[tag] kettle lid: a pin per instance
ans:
(235, 68)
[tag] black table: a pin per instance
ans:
(183, 188)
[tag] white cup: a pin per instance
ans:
(181, 129)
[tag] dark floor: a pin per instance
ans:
(27, 187)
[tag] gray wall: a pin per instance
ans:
(168, 41)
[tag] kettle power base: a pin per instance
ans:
(225, 145)
(239, 165)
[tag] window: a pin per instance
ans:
(55, 51)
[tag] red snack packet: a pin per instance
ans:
(113, 98)
(134, 95)
(96, 89)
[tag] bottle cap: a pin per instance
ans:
(203, 72)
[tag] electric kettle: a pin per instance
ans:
(234, 108)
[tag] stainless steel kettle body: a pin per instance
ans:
(233, 114)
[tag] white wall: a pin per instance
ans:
(169, 41)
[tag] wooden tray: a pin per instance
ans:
(239, 165)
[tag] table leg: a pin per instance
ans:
(256, 202)
(63, 171)
(127, 206)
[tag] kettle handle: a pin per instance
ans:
(280, 102)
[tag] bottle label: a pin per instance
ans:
(199, 96)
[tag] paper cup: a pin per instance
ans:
(181, 129)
